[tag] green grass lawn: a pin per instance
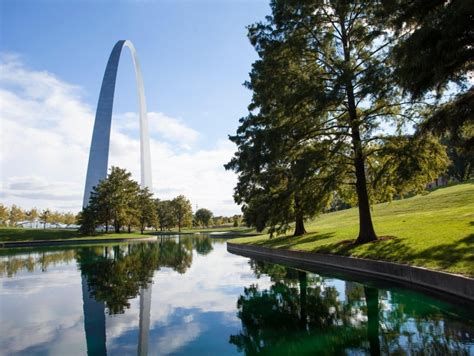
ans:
(435, 230)
(23, 234)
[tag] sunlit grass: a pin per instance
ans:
(435, 230)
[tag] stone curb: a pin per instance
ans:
(453, 284)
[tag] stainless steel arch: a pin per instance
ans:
(99, 151)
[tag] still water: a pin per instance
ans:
(189, 296)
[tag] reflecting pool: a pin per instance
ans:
(189, 296)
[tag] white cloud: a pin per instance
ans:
(46, 130)
(162, 127)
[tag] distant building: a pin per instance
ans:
(438, 182)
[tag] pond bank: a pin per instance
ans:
(453, 284)
(79, 241)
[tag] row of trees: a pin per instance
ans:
(16, 216)
(118, 201)
(204, 218)
(345, 108)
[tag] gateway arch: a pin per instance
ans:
(94, 313)
(99, 151)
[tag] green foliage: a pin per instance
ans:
(69, 219)
(16, 215)
(116, 275)
(436, 45)
(322, 89)
(32, 215)
(403, 165)
(166, 214)
(203, 217)
(146, 209)
(45, 217)
(4, 214)
(435, 50)
(88, 221)
(183, 211)
(454, 122)
(113, 201)
(432, 230)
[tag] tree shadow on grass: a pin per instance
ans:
(442, 256)
(287, 242)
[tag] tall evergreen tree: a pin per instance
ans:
(113, 200)
(435, 51)
(323, 79)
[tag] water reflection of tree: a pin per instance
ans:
(300, 314)
(116, 275)
(43, 260)
(202, 244)
(297, 315)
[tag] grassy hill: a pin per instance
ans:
(434, 230)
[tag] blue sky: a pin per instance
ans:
(194, 57)
(194, 54)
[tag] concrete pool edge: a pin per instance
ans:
(45, 243)
(452, 284)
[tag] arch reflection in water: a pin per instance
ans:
(205, 297)
(113, 276)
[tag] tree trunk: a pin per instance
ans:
(372, 301)
(299, 225)
(179, 227)
(129, 229)
(106, 226)
(366, 228)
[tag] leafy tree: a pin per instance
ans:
(461, 155)
(147, 214)
(237, 220)
(183, 211)
(434, 51)
(69, 219)
(166, 214)
(281, 179)
(203, 216)
(16, 215)
(56, 218)
(322, 88)
(45, 217)
(436, 43)
(124, 191)
(88, 220)
(114, 199)
(32, 215)
(4, 214)
(217, 220)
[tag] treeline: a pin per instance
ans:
(15, 216)
(351, 107)
(119, 203)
